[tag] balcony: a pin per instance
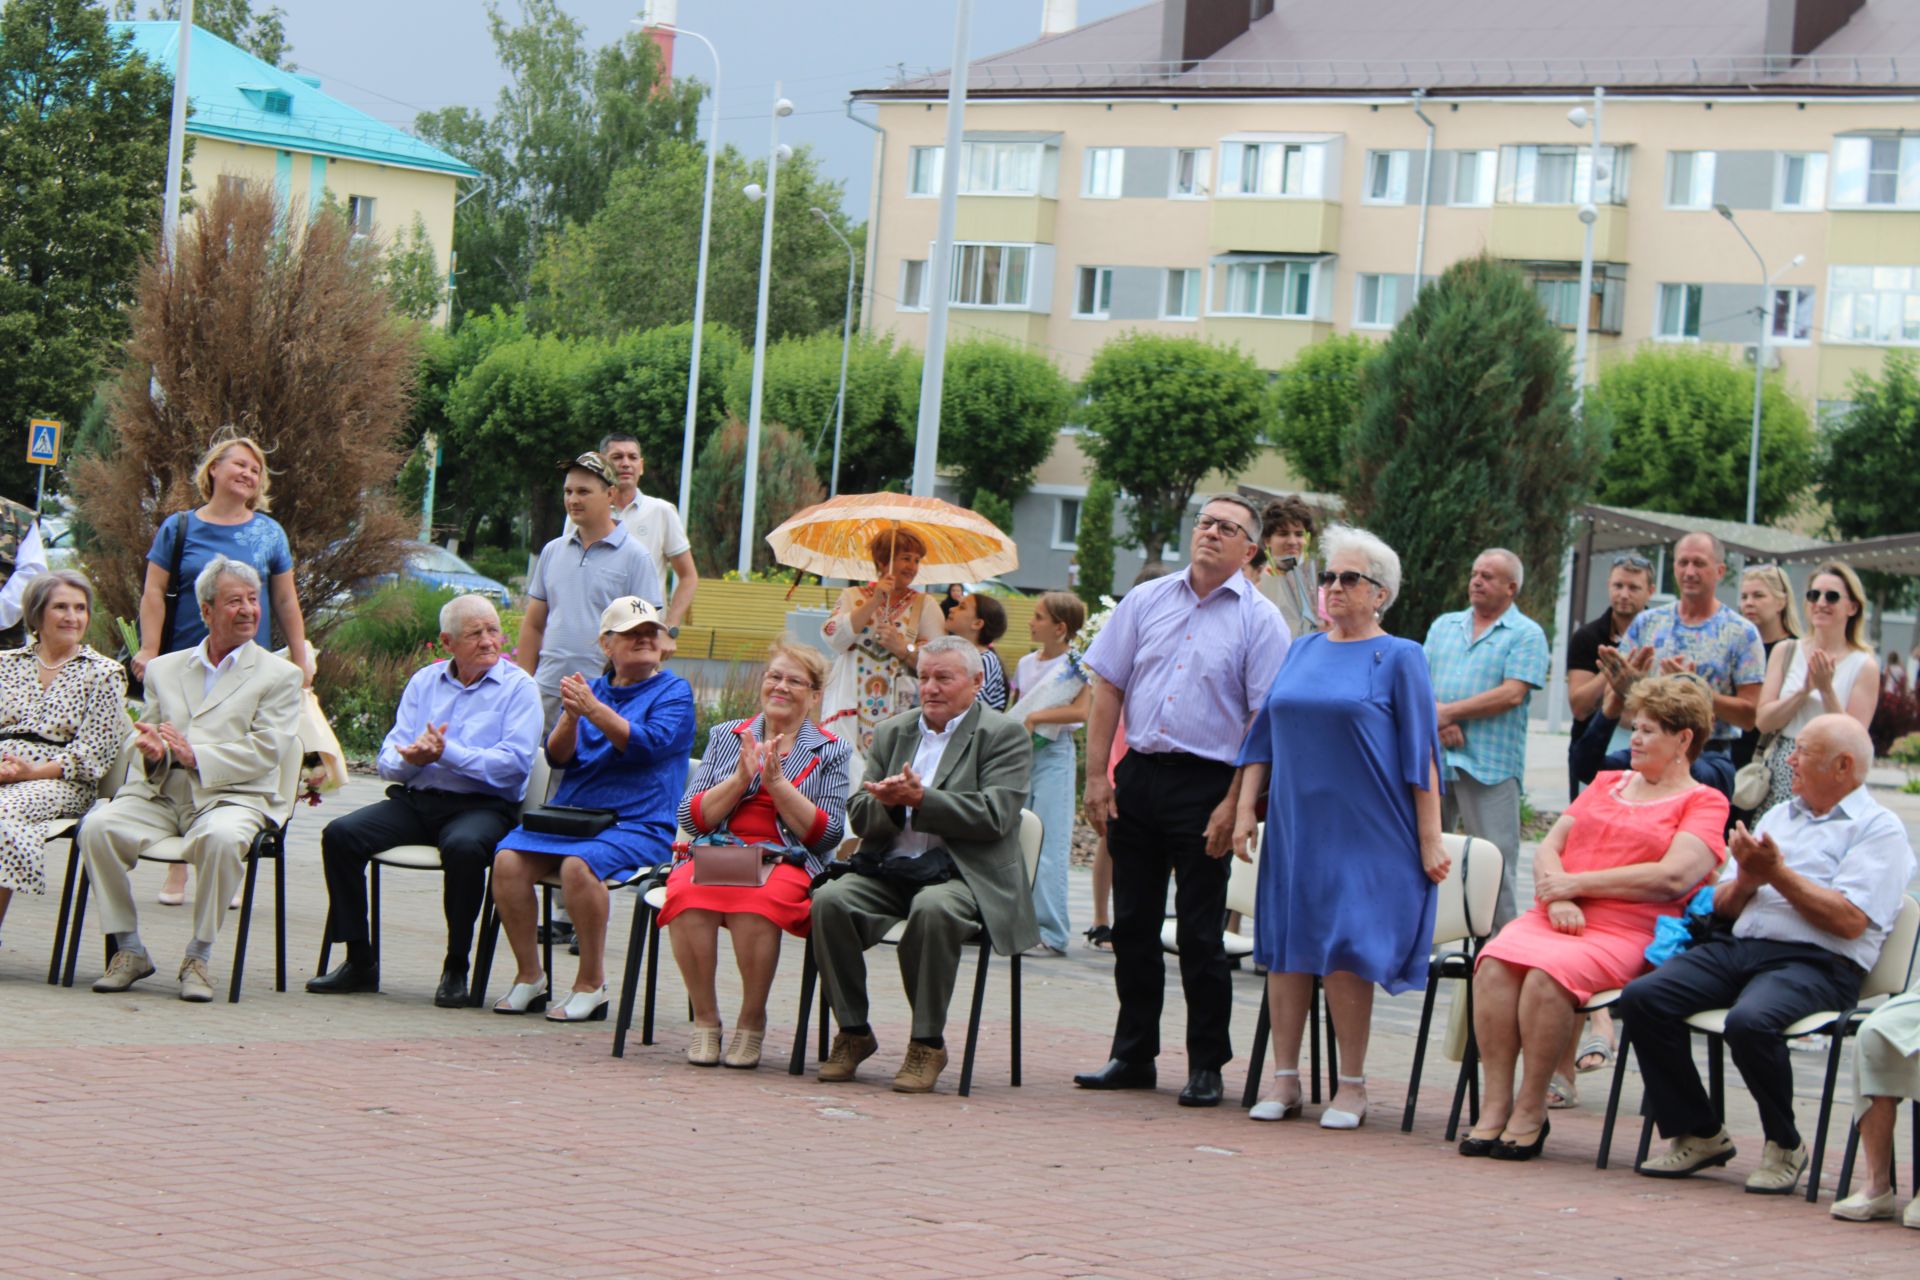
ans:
(1005, 219)
(1554, 233)
(1275, 226)
(1880, 238)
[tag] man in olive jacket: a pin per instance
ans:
(940, 849)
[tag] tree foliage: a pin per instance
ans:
(262, 34)
(637, 384)
(635, 262)
(1467, 440)
(83, 144)
(514, 419)
(1164, 413)
(282, 330)
(883, 398)
(1317, 399)
(1681, 423)
(1094, 543)
(566, 122)
(786, 485)
(1001, 408)
(1870, 474)
(998, 510)
(410, 271)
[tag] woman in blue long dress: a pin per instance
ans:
(624, 741)
(1345, 752)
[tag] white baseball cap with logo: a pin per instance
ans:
(629, 613)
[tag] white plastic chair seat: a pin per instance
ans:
(1713, 1022)
(1600, 1000)
(1237, 944)
(414, 857)
(166, 849)
(656, 897)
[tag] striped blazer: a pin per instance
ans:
(816, 764)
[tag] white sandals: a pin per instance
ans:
(1339, 1118)
(1273, 1108)
(524, 997)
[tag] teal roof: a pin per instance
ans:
(240, 98)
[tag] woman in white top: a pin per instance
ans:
(1830, 670)
(1052, 701)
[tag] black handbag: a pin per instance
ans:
(136, 687)
(565, 820)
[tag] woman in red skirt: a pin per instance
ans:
(776, 780)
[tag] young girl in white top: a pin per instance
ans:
(1052, 700)
(1830, 670)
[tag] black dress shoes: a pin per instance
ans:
(452, 993)
(347, 979)
(1203, 1090)
(1119, 1075)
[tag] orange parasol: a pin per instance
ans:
(834, 538)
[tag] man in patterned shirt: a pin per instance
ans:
(1486, 661)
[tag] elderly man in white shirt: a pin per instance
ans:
(1801, 911)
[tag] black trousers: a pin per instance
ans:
(1164, 802)
(1767, 987)
(467, 828)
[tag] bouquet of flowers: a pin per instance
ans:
(1057, 690)
(1084, 641)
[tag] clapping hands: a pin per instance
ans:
(155, 741)
(427, 748)
(576, 697)
(1759, 859)
(903, 790)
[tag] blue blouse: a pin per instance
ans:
(642, 783)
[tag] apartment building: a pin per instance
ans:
(1270, 172)
(253, 122)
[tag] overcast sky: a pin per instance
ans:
(395, 58)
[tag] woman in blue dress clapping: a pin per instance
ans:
(1345, 752)
(624, 741)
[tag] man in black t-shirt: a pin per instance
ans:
(1629, 586)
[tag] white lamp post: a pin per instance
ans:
(1581, 118)
(700, 280)
(933, 372)
(1759, 353)
(846, 341)
(776, 155)
(177, 132)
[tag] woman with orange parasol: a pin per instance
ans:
(874, 632)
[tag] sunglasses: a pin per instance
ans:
(1348, 579)
(1831, 597)
(1632, 562)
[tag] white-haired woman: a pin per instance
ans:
(232, 521)
(63, 715)
(1345, 754)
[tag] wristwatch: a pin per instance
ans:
(673, 633)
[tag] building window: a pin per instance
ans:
(1279, 289)
(1376, 302)
(923, 170)
(1690, 179)
(1183, 295)
(1189, 173)
(1874, 304)
(1066, 524)
(1001, 168)
(913, 284)
(990, 275)
(1273, 169)
(1473, 175)
(1679, 316)
(1802, 180)
(1792, 315)
(1558, 175)
(1094, 297)
(1877, 173)
(360, 215)
(1557, 285)
(1104, 167)
(1386, 177)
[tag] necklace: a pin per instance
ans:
(53, 666)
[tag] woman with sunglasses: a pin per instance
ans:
(1830, 671)
(1345, 752)
(1766, 600)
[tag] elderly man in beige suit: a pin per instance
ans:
(219, 721)
(939, 849)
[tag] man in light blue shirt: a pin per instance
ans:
(1486, 661)
(1802, 909)
(459, 753)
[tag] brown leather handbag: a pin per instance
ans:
(740, 866)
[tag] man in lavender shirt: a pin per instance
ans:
(1190, 658)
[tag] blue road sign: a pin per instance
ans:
(43, 442)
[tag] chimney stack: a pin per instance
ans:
(1796, 28)
(1058, 16)
(1195, 29)
(658, 14)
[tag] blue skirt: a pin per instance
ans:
(617, 851)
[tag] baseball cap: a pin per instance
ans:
(592, 462)
(629, 612)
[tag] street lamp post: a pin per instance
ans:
(1759, 353)
(1581, 118)
(846, 341)
(933, 371)
(700, 280)
(177, 133)
(776, 154)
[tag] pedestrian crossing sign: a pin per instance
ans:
(43, 442)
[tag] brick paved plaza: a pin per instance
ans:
(376, 1136)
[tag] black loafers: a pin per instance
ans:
(1203, 1090)
(452, 992)
(346, 979)
(1119, 1075)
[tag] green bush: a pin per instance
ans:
(396, 621)
(738, 699)
(1906, 749)
(506, 565)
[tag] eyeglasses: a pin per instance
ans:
(787, 682)
(1348, 579)
(1205, 523)
(1831, 597)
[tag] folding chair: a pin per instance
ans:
(270, 843)
(650, 895)
(1030, 833)
(426, 857)
(117, 773)
(1892, 973)
(1464, 920)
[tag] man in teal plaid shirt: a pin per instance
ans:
(1486, 661)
